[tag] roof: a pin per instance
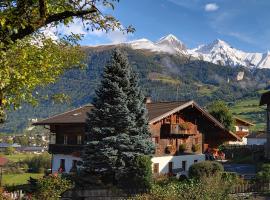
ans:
(261, 135)
(156, 112)
(3, 161)
(5, 145)
(244, 121)
(265, 98)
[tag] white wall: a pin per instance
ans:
(242, 128)
(68, 161)
(177, 161)
(243, 142)
(256, 141)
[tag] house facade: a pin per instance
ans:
(242, 130)
(181, 131)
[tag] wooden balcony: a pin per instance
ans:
(177, 129)
(65, 148)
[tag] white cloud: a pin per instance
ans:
(117, 36)
(211, 7)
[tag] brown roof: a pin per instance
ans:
(3, 161)
(243, 121)
(156, 112)
(265, 98)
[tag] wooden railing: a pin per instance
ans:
(64, 148)
(175, 129)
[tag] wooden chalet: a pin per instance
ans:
(181, 131)
(242, 130)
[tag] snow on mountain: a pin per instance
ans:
(217, 52)
(168, 44)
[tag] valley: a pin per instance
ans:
(163, 76)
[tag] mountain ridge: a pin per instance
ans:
(217, 52)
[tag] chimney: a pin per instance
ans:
(147, 100)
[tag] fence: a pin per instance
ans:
(116, 194)
(101, 194)
(251, 187)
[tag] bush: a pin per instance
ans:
(195, 147)
(264, 173)
(207, 188)
(9, 150)
(39, 163)
(205, 169)
(139, 175)
(51, 187)
(182, 147)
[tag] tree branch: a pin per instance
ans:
(22, 32)
(42, 9)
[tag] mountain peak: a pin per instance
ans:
(169, 37)
(220, 42)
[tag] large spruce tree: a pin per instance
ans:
(117, 128)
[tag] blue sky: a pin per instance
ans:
(245, 24)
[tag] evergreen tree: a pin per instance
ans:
(117, 129)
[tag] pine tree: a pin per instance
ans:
(117, 129)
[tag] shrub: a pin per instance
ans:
(51, 187)
(9, 150)
(182, 147)
(205, 169)
(39, 163)
(195, 147)
(264, 173)
(139, 175)
(207, 188)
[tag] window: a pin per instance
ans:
(156, 168)
(184, 163)
(195, 161)
(177, 119)
(65, 139)
(79, 139)
(74, 166)
(155, 140)
(170, 170)
(62, 167)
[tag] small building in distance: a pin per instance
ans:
(181, 131)
(242, 130)
(265, 100)
(259, 138)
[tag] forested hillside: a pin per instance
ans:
(164, 77)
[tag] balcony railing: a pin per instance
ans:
(176, 129)
(64, 148)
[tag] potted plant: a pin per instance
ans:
(170, 149)
(182, 148)
(195, 148)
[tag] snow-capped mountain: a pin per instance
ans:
(168, 44)
(218, 52)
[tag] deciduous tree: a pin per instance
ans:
(29, 59)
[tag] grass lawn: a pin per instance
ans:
(249, 109)
(18, 156)
(16, 179)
